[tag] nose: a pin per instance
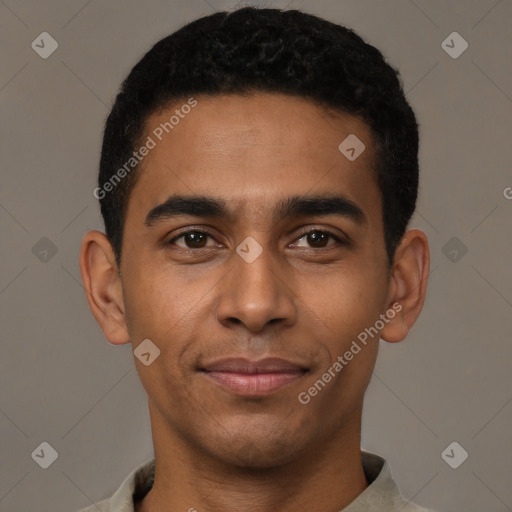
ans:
(256, 294)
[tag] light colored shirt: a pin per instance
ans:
(381, 495)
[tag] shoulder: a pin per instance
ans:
(135, 486)
(382, 493)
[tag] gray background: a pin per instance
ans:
(62, 383)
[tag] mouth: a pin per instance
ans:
(254, 378)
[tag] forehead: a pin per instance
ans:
(254, 151)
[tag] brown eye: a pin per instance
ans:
(193, 239)
(318, 239)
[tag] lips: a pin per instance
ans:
(242, 365)
(254, 378)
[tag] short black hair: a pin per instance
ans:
(267, 50)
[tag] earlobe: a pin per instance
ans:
(103, 286)
(409, 285)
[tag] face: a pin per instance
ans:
(277, 253)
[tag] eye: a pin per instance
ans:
(193, 239)
(318, 238)
(197, 239)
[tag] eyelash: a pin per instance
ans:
(302, 235)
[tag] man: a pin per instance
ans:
(258, 172)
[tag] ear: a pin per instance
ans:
(408, 285)
(103, 286)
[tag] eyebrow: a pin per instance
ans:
(294, 206)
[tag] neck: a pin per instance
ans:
(326, 477)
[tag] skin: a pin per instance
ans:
(299, 300)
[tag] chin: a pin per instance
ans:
(257, 455)
(258, 448)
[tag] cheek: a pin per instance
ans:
(347, 306)
(155, 303)
(346, 301)
(160, 309)
(169, 307)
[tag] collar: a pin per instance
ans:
(381, 494)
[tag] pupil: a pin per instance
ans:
(193, 238)
(314, 237)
